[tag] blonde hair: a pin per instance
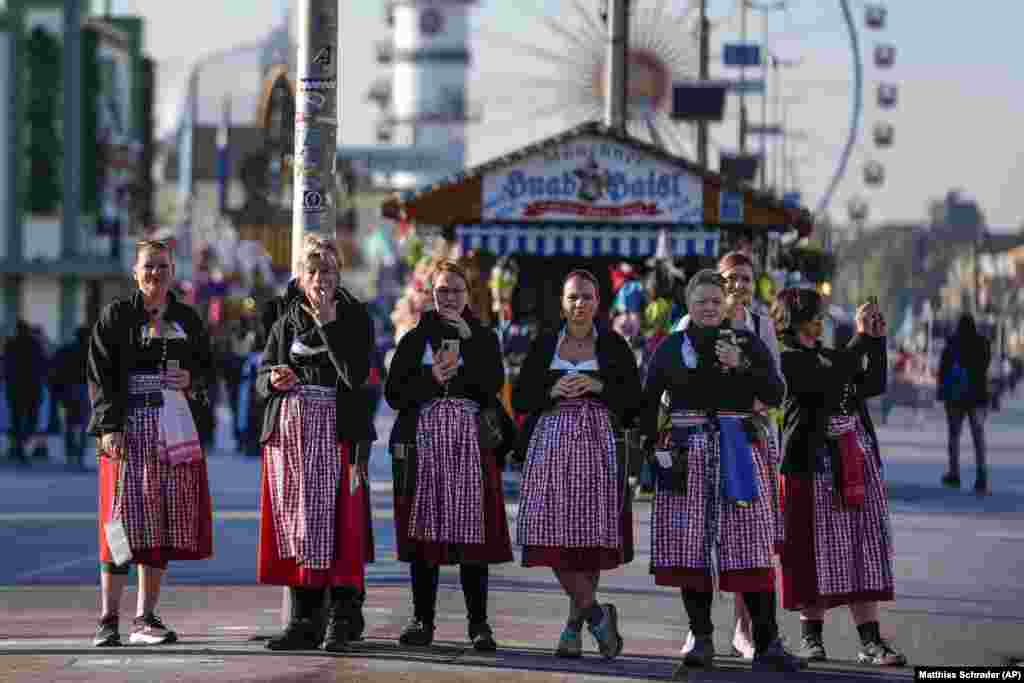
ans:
(317, 248)
(153, 245)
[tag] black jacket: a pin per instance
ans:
(346, 365)
(116, 349)
(706, 386)
(278, 306)
(816, 381)
(411, 384)
(975, 356)
(617, 372)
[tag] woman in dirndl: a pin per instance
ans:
(314, 522)
(715, 516)
(148, 356)
(449, 504)
(838, 545)
(579, 386)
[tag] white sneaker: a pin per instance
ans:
(688, 645)
(149, 630)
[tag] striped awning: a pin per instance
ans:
(629, 240)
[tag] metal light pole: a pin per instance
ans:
(316, 137)
(704, 74)
(615, 113)
(316, 123)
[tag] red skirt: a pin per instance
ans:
(497, 545)
(198, 544)
(587, 559)
(351, 531)
(834, 554)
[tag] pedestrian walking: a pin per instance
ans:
(738, 271)
(70, 389)
(314, 522)
(449, 504)
(838, 536)
(963, 387)
(716, 517)
(147, 355)
(25, 367)
(579, 386)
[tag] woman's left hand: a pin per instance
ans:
(585, 384)
(177, 378)
(459, 323)
(870, 321)
(728, 354)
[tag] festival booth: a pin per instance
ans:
(591, 198)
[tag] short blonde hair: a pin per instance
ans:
(317, 248)
(153, 245)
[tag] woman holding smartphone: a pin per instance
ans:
(147, 354)
(578, 386)
(449, 503)
(313, 512)
(838, 537)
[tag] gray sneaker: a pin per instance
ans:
(606, 633)
(880, 653)
(812, 649)
(570, 643)
(150, 630)
(107, 634)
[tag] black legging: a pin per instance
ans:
(474, 579)
(761, 606)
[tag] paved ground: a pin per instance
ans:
(960, 587)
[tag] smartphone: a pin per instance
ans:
(173, 364)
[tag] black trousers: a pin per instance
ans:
(474, 579)
(975, 414)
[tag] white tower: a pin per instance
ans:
(427, 106)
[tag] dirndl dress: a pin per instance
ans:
(574, 512)
(313, 505)
(165, 508)
(836, 554)
(451, 510)
(698, 537)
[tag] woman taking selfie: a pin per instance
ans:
(449, 503)
(579, 386)
(147, 356)
(314, 526)
(838, 538)
(714, 516)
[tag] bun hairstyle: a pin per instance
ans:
(707, 276)
(734, 259)
(795, 306)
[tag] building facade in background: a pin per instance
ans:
(76, 95)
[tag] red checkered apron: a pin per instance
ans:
(696, 536)
(304, 474)
(165, 508)
(570, 496)
(448, 504)
(836, 554)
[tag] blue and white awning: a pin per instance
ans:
(628, 240)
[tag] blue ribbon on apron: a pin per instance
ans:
(739, 476)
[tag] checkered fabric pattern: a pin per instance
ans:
(448, 506)
(570, 496)
(700, 531)
(304, 470)
(159, 503)
(853, 545)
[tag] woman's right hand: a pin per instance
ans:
(112, 445)
(283, 378)
(444, 369)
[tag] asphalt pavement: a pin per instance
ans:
(959, 567)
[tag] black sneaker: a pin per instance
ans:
(880, 653)
(981, 488)
(702, 654)
(356, 625)
(149, 630)
(482, 637)
(417, 633)
(812, 649)
(336, 635)
(299, 634)
(951, 481)
(107, 634)
(775, 657)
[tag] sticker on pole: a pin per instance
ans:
(314, 201)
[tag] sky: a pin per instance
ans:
(957, 123)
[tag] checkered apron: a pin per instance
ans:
(304, 473)
(852, 545)
(699, 530)
(570, 495)
(159, 503)
(448, 505)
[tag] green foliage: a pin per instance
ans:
(43, 144)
